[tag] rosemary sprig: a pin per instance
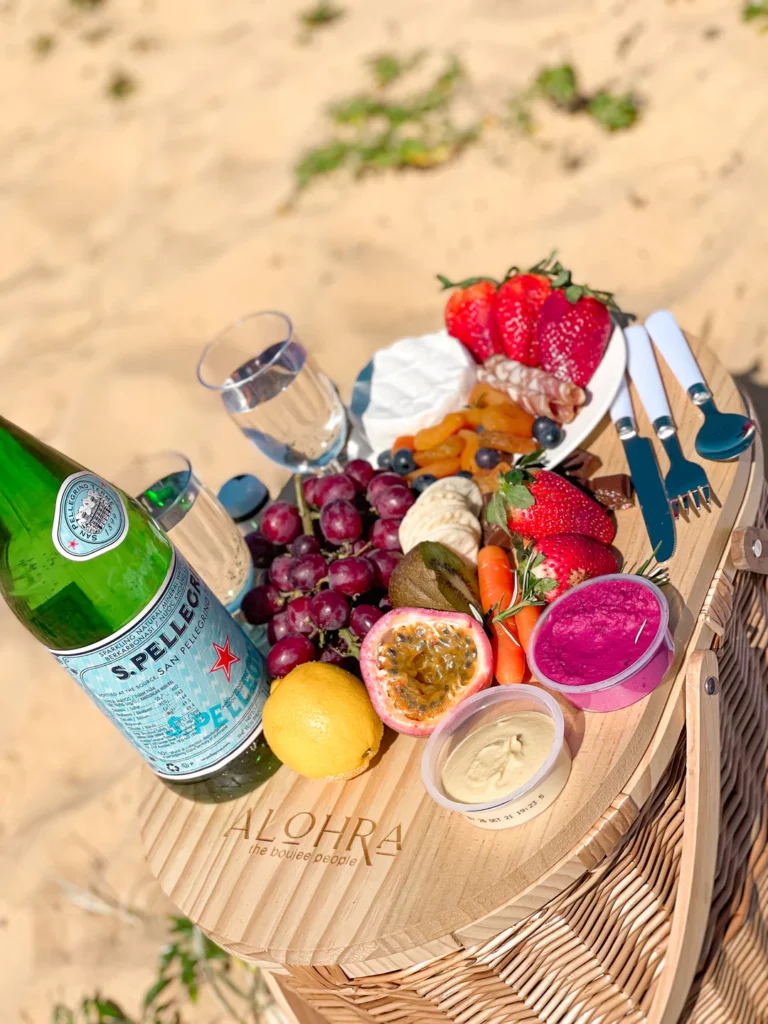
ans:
(531, 589)
(658, 574)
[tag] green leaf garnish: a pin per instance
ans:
(516, 495)
(496, 512)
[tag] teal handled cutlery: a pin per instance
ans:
(722, 435)
(685, 481)
(644, 470)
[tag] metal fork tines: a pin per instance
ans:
(686, 482)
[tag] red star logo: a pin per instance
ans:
(224, 659)
(73, 543)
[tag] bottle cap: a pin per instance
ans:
(243, 496)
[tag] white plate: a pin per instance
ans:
(600, 393)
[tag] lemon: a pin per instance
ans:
(319, 720)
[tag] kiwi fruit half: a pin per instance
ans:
(433, 576)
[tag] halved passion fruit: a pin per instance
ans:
(419, 664)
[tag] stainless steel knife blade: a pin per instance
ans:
(651, 494)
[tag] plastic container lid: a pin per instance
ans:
(243, 496)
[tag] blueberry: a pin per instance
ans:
(465, 473)
(402, 461)
(547, 432)
(384, 460)
(421, 483)
(487, 458)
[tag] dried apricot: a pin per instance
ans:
(431, 437)
(406, 441)
(471, 444)
(445, 467)
(509, 419)
(474, 417)
(447, 450)
(494, 397)
(513, 444)
(482, 395)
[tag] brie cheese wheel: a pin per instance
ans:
(414, 384)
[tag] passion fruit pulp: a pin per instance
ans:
(419, 664)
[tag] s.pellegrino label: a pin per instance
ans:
(89, 519)
(182, 681)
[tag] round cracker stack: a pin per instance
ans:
(446, 512)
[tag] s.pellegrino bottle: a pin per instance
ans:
(89, 573)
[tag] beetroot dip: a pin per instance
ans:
(594, 633)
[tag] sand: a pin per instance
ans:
(134, 230)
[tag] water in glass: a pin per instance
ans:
(279, 399)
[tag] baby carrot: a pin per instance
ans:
(497, 591)
(525, 620)
(497, 580)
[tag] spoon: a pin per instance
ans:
(722, 435)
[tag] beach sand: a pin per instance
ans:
(131, 231)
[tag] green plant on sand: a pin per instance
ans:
(374, 132)
(42, 44)
(613, 112)
(320, 14)
(121, 85)
(756, 12)
(387, 68)
(559, 86)
(188, 963)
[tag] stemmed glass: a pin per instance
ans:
(275, 393)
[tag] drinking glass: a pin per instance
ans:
(195, 520)
(275, 393)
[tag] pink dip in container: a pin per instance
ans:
(605, 643)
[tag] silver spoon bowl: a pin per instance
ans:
(722, 435)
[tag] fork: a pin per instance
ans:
(685, 480)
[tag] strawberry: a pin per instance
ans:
(573, 333)
(518, 302)
(536, 503)
(470, 315)
(568, 559)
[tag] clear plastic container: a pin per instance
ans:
(483, 709)
(622, 688)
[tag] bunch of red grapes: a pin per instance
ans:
(326, 589)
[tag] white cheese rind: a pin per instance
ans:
(415, 383)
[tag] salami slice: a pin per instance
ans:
(536, 391)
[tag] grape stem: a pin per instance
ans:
(352, 644)
(303, 507)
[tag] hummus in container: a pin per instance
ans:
(500, 758)
(604, 644)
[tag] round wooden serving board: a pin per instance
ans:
(371, 873)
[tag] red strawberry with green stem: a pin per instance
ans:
(568, 559)
(470, 315)
(536, 503)
(574, 327)
(518, 302)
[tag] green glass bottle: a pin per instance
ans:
(89, 573)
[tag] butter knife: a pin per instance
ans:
(644, 470)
